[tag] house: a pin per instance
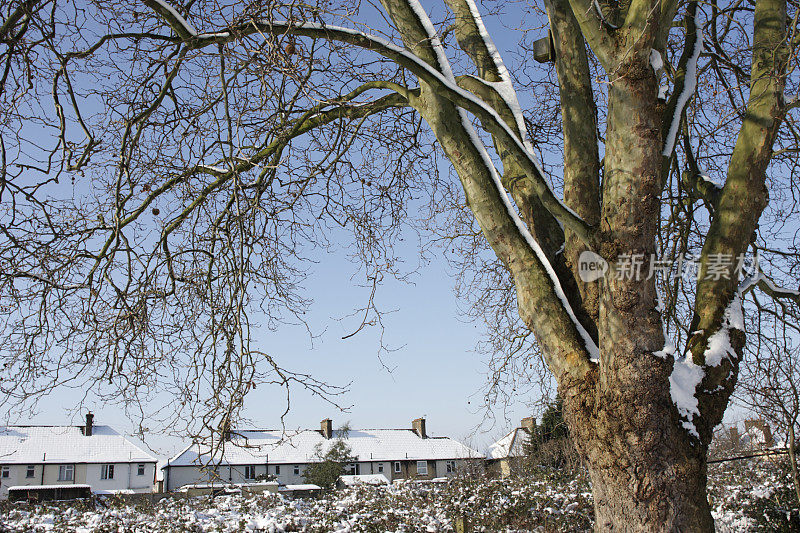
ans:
(248, 455)
(60, 462)
(507, 454)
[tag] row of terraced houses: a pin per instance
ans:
(61, 462)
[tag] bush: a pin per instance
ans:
(330, 464)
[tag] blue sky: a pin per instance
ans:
(434, 371)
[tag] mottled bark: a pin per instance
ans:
(579, 124)
(740, 203)
(647, 473)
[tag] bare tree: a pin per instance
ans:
(770, 386)
(212, 145)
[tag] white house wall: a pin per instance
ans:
(125, 477)
(176, 477)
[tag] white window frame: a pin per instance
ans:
(140, 469)
(107, 472)
(249, 471)
(30, 471)
(424, 470)
(397, 467)
(296, 470)
(380, 468)
(66, 472)
(5, 472)
(277, 470)
(450, 466)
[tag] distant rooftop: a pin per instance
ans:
(512, 445)
(67, 444)
(275, 446)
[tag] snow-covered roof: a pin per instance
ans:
(512, 445)
(67, 444)
(277, 447)
(367, 479)
(44, 487)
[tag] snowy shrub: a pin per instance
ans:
(753, 495)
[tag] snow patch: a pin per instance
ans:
(705, 177)
(655, 61)
(683, 382)
(719, 344)
(686, 375)
(669, 346)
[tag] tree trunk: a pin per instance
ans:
(648, 471)
(652, 494)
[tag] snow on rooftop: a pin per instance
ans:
(44, 487)
(266, 446)
(509, 446)
(67, 444)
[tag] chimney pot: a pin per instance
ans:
(528, 424)
(87, 430)
(326, 426)
(419, 428)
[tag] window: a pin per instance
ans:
(66, 472)
(397, 467)
(107, 472)
(140, 469)
(30, 471)
(380, 468)
(351, 469)
(250, 472)
(6, 471)
(450, 466)
(277, 470)
(422, 468)
(296, 470)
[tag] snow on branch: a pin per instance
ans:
(444, 84)
(181, 26)
(763, 282)
(443, 78)
(505, 87)
(689, 86)
(687, 376)
(602, 17)
(591, 348)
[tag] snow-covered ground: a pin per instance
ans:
(746, 496)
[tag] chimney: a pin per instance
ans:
(327, 428)
(419, 428)
(528, 424)
(733, 432)
(759, 425)
(87, 430)
(769, 440)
